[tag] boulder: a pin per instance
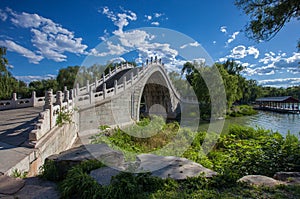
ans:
(259, 180)
(10, 185)
(103, 175)
(66, 159)
(36, 188)
(161, 166)
(172, 167)
(288, 177)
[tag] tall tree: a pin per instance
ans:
(66, 77)
(268, 16)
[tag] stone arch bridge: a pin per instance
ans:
(117, 99)
(125, 93)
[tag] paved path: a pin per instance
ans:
(15, 126)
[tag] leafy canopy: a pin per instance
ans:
(268, 16)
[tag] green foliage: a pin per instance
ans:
(19, 174)
(242, 110)
(79, 184)
(128, 185)
(49, 171)
(64, 117)
(41, 86)
(246, 151)
(268, 17)
(66, 77)
(9, 84)
(144, 140)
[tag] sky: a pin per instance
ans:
(42, 37)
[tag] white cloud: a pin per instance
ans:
(117, 60)
(51, 39)
(113, 49)
(241, 51)
(3, 15)
(253, 51)
(294, 58)
(157, 15)
(149, 17)
(29, 78)
(194, 44)
(155, 23)
(232, 37)
(214, 42)
(12, 46)
(120, 19)
(223, 29)
(280, 82)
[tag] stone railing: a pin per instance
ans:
(54, 105)
(88, 87)
(22, 103)
(87, 95)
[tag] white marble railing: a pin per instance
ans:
(22, 103)
(90, 97)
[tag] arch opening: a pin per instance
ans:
(156, 98)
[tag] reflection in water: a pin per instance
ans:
(267, 120)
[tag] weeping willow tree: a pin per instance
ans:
(9, 84)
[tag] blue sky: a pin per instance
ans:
(44, 36)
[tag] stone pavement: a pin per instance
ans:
(28, 188)
(15, 126)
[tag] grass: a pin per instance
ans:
(19, 174)
(241, 110)
(242, 151)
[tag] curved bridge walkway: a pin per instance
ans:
(15, 126)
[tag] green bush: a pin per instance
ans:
(79, 184)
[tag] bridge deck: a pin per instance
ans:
(15, 126)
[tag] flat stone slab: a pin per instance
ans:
(36, 188)
(172, 167)
(103, 175)
(9, 185)
(290, 178)
(259, 180)
(66, 159)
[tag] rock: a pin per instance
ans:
(283, 176)
(290, 178)
(36, 188)
(103, 175)
(9, 185)
(259, 180)
(65, 160)
(172, 167)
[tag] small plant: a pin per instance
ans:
(49, 171)
(64, 117)
(19, 174)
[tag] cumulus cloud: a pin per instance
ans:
(241, 51)
(12, 46)
(157, 15)
(223, 29)
(155, 18)
(155, 23)
(194, 44)
(232, 37)
(3, 15)
(280, 82)
(148, 17)
(120, 20)
(50, 38)
(281, 60)
(29, 78)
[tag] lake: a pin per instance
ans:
(267, 120)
